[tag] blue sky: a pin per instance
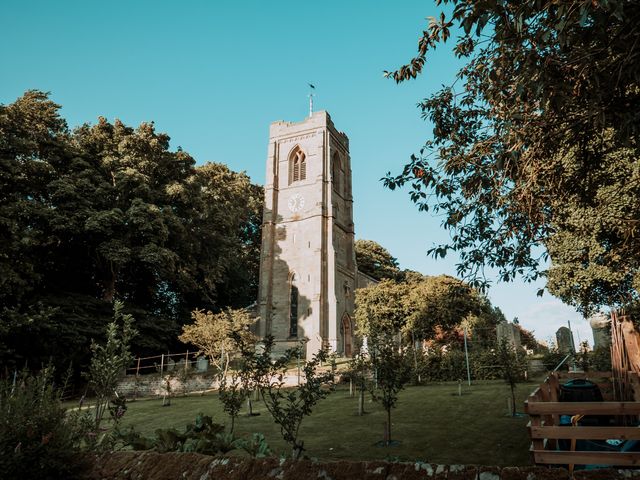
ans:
(214, 74)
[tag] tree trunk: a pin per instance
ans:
(415, 357)
(513, 401)
(109, 288)
(388, 434)
(298, 448)
(250, 404)
(361, 402)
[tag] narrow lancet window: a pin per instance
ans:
(335, 172)
(293, 309)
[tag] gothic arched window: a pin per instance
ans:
(293, 308)
(335, 171)
(297, 165)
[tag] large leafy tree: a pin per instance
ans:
(381, 309)
(439, 304)
(534, 145)
(228, 235)
(418, 309)
(109, 212)
(375, 260)
(33, 137)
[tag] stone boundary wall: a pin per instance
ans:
(193, 466)
(154, 385)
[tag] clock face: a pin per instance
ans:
(296, 202)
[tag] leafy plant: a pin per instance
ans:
(109, 361)
(38, 438)
(552, 359)
(256, 446)
(202, 436)
(600, 358)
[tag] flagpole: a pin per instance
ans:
(311, 89)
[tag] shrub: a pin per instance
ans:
(450, 365)
(37, 438)
(552, 358)
(109, 361)
(203, 436)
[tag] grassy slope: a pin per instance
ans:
(432, 422)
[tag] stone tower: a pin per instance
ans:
(307, 261)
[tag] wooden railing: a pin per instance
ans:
(544, 410)
(161, 363)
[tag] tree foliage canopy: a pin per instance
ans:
(217, 335)
(534, 145)
(417, 309)
(107, 212)
(375, 260)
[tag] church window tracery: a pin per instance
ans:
(297, 165)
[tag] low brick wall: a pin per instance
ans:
(193, 466)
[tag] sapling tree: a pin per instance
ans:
(234, 389)
(109, 361)
(393, 371)
(287, 406)
(232, 395)
(359, 372)
(511, 367)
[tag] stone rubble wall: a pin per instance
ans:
(193, 466)
(154, 385)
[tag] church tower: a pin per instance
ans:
(307, 261)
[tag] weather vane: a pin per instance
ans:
(311, 95)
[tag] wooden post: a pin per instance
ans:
(466, 356)
(138, 368)
(186, 361)
(161, 365)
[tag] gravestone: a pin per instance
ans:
(170, 365)
(564, 339)
(510, 332)
(202, 365)
(601, 331)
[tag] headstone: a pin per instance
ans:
(182, 365)
(510, 332)
(202, 365)
(600, 326)
(170, 365)
(564, 339)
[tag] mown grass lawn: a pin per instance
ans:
(432, 423)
